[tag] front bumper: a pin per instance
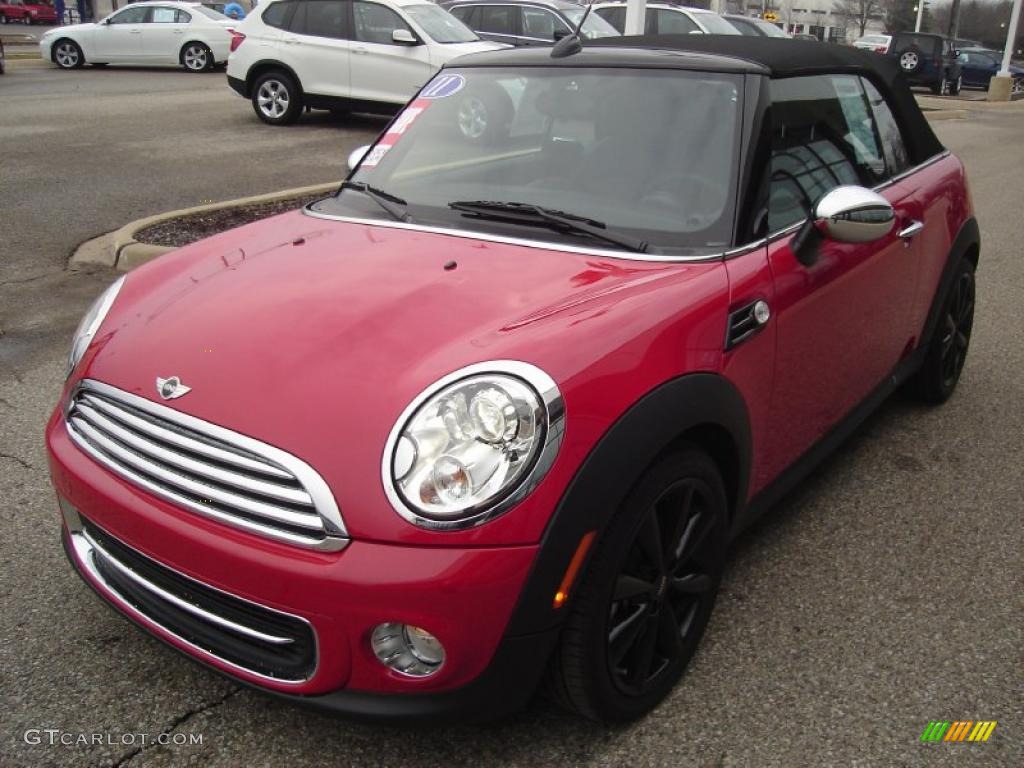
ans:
(464, 596)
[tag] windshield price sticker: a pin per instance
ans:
(375, 155)
(443, 86)
(404, 120)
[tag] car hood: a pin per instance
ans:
(314, 335)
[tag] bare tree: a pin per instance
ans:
(898, 15)
(858, 12)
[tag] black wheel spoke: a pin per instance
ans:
(690, 584)
(669, 639)
(649, 540)
(683, 528)
(624, 634)
(642, 657)
(629, 587)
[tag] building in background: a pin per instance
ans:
(808, 17)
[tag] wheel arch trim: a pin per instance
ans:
(265, 65)
(653, 425)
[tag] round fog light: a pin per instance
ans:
(407, 649)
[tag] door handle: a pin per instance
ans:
(911, 229)
(135, 31)
(360, 50)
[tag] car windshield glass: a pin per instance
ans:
(210, 13)
(769, 29)
(593, 27)
(609, 145)
(440, 25)
(715, 24)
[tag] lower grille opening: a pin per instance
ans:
(250, 636)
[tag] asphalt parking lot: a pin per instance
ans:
(885, 593)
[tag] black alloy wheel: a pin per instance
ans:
(647, 595)
(947, 350)
(666, 580)
(957, 326)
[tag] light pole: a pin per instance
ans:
(1000, 87)
(920, 15)
(636, 11)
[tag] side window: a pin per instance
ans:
(540, 23)
(674, 23)
(375, 23)
(498, 19)
(616, 16)
(462, 13)
(183, 17)
(278, 14)
(323, 18)
(130, 16)
(164, 16)
(896, 159)
(822, 137)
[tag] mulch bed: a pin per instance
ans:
(175, 233)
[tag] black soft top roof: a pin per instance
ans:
(793, 58)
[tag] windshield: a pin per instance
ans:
(617, 146)
(715, 24)
(769, 29)
(440, 25)
(593, 27)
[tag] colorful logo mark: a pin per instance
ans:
(959, 730)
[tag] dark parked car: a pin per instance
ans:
(980, 65)
(928, 60)
(1, 57)
(536, 22)
(560, 366)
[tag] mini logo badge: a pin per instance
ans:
(171, 388)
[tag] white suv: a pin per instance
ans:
(668, 19)
(342, 55)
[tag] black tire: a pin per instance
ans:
(911, 59)
(634, 624)
(196, 57)
(947, 350)
(483, 116)
(67, 54)
(276, 98)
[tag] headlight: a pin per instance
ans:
(91, 323)
(473, 444)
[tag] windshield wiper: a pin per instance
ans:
(393, 204)
(526, 213)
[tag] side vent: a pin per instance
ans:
(746, 321)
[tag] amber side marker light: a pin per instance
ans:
(574, 568)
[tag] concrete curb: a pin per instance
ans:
(120, 249)
(946, 114)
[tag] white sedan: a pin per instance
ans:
(154, 33)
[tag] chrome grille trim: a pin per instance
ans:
(176, 601)
(205, 468)
(85, 548)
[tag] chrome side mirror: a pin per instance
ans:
(356, 156)
(404, 37)
(853, 215)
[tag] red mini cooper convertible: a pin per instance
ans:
(491, 414)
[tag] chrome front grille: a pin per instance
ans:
(207, 469)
